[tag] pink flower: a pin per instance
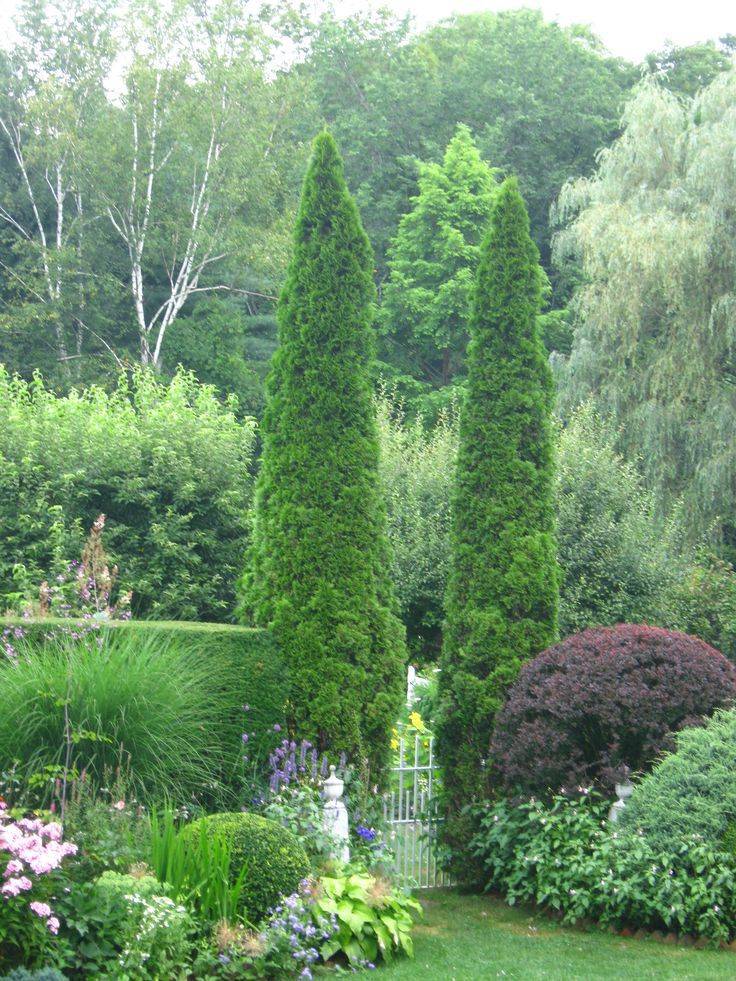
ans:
(119, 805)
(13, 868)
(15, 886)
(53, 924)
(53, 831)
(41, 909)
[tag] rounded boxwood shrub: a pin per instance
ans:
(275, 859)
(691, 791)
(604, 700)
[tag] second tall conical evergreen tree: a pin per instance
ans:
(319, 571)
(502, 594)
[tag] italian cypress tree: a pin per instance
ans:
(502, 593)
(319, 570)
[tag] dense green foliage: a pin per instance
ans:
(562, 857)
(274, 860)
(541, 99)
(704, 602)
(432, 262)
(620, 559)
(417, 466)
(655, 314)
(692, 791)
(687, 70)
(162, 701)
(167, 463)
(43, 974)
(319, 566)
(100, 268)
(502, 592)
(97, 915)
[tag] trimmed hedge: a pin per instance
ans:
(165, 461)
(605, 699)
(274, 857)
(247, 660)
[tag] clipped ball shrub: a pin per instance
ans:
(603, 700)
(275, 859)
(692, 791)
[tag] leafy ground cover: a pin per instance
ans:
(466, 938)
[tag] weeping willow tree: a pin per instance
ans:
(655, 336)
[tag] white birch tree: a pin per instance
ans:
(54, 83)
(199, 115)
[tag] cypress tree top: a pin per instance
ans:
(319, 570)
(501, 601)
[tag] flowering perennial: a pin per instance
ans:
(35, 850)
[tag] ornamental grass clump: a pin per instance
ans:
(604, 703)
(104, 701)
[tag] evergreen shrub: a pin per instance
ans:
(319, 569)
(691, 791)
(502, 592)
(275, 860)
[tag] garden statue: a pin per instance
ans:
(336, 815)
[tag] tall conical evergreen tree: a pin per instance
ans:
(318, 571)
(502, 594)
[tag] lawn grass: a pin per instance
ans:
(465, 938)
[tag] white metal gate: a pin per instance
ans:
(410, 810)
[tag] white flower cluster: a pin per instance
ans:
(158, 916)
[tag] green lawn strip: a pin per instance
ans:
(465, 938)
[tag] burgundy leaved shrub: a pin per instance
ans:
(604, 700)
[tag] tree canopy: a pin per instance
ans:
(432, 262)
(655, 316)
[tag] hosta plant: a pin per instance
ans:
(374, 918)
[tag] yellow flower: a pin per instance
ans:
(416, 720)
(394, 744)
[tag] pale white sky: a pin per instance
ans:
(630, 28)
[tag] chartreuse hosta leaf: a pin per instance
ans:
(374, 918)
